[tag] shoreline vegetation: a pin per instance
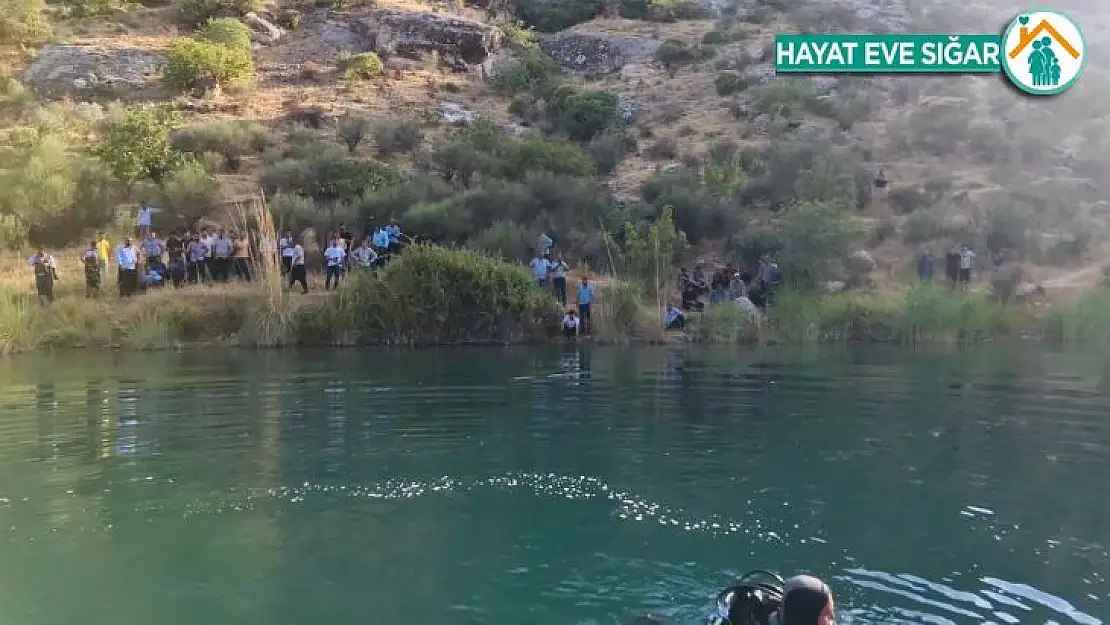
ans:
(438, 296)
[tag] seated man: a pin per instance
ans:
(673, 318)
(690, 299)
(571, 323)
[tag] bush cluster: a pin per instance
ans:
(673, 53)
(364, 66)
(662, 10)
(227, 32)
(435, 295)
(575, 113)
(549, 17)
(196, 12)
(231, 140)
(192, 61)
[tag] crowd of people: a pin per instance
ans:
(210, 256)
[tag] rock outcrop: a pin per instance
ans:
(597, 53)
(262, 30)
(454, 39)
(84, 71)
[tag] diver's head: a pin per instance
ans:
(806, 601)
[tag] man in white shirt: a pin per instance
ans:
(559, 270)
(571, 323)
(364, 255)
(335, 258)
(967, 261)
(297, 271)
(285, 248)
(222, 249)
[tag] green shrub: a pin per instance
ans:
(805, 168)
(135, 145)
(458, 160)
(664, 149)
(189, 192)
(232, 140)
(728, 83)
(609, 149)
(672, 53)
(396, 136)
(533, 72)
(197, 12)
(716, 37)
(435, 295)
(549, 17)
(352, 129)
(696, 212)
(940, 129)
(583, 115)
(94, 8)
(289, 18)
(191, 61)
(24, 23)
(51, 195)
(662, 10)
(394, 200)
(786, 98)
(364, 66)
(328, 175)
(293, 212)
(517, 158)
(226, 31)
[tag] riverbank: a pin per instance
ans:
(439, 296)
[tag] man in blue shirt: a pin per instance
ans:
(925, 266)
(127, 257)
(394, 232)
(585, 299)
(540, 267)
(381, 245)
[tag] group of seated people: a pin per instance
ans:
(727, 284)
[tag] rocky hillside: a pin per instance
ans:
(493, 122)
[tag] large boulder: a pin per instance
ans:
(597, 53)
(82, 71)
(415, 34)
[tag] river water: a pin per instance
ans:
(550, 487)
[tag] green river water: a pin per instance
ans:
(547, 486)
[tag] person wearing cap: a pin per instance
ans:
(806, 600)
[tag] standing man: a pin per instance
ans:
(559, 278)
(335, 258)
(146, 219)
(91, 260)
(152, 248)
(925, 266)
(127, 257)
(967, 261)
(585, 300)
(195, 253)
(222, 250)
(952, 266)
(243, 257)
(297, 271)
(46, 272)
(540, 265)
(103, 251)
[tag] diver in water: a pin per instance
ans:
(800, 600)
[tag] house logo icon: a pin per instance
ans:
(1044, 52)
